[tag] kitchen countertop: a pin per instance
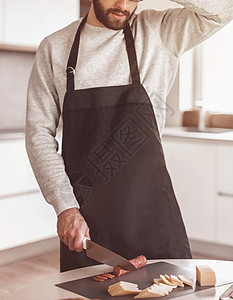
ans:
(6, 135)
(45, 289)
(224, 135)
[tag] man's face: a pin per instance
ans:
(114, 14)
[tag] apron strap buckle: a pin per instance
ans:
(70, 71)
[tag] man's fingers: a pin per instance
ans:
(66, 241)
(78, 243)
(71, 239)
(72, 228)
(62, 237)
(87, 232)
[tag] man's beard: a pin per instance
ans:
(104, 18)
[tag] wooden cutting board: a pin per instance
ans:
(143, 277)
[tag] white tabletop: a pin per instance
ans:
(45, 289)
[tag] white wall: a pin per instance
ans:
(156, 4)
(28, 22)
(15, 69)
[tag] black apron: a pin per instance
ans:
(114, 159)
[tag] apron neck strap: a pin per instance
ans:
(72, 61)
(73, 57)
(131, 54)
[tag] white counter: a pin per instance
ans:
(45, 289)
(225, 135)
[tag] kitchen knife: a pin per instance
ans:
(228, 294)
(106, 256)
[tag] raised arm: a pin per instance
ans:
(184, 28)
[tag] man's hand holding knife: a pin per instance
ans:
(72, 228)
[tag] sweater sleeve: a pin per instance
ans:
(43, 113)
(182, 29)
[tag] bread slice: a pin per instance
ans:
(123, 288)
(150, 292)
(168, 282)
(176, 280)
(186, 280)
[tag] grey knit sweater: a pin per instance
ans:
(160, 38)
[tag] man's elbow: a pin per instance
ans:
(225, 18)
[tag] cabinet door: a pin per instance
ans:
(225, 194)
(16, 176)
(25, 219)
(225, 220)
(28, 22)
(192, 169)
(225, 169)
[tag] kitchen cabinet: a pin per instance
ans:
(225, 170)
(28, 22)
(191, 165)
(225, 194)
(224, 220)
(201, 172)
(25, 217)
(16, 176)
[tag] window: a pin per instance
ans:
(206, 74)
(218, 71)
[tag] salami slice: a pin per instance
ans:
(103, 277)
(118, 271)
(138, 262)
(108, 275)
(96, 278)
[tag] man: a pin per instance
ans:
(111, 183)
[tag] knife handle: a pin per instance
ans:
(85, 242)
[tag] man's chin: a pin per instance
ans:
(117, 26)
(116, 23)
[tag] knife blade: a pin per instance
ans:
(106, 256)
(228, 294)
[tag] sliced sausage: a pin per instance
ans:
(138, 262)
(96, 278)
(110, 276)
(118, 271)
(103, 277)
